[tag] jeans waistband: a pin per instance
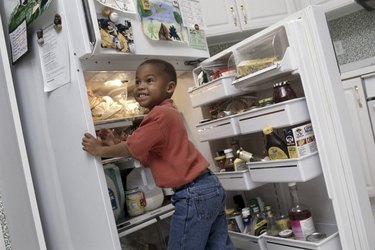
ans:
(203, 173)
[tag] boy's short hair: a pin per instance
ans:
(165, 66)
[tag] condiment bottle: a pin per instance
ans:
(246, 217)
(300, 216)
(229, 162)
(275, 146)
(258, 222)
(282, 92)
(272, 228)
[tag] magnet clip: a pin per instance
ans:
(39, 35)
(57, 24)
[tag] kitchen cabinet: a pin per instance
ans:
(358, 110)
(231, 16)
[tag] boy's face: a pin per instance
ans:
(152, 86)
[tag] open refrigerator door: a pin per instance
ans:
(320, 157)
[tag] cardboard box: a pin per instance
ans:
(300, 141)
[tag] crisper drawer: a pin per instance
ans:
(332, 242)
(213, 91)
(290, 170)
(278, 115)
(237, 180)
(247, 242)
(217, 129)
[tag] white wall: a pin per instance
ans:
(191, 116)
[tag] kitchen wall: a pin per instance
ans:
(355, 32)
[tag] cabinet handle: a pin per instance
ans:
(356, 88)
(244, 14)
(234, 16)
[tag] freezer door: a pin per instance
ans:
(20, 221)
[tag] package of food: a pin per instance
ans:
(300, 141)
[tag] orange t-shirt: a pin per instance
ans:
(161, 143)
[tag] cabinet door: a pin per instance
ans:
(220, 17)
(357, 108)
(254, 14)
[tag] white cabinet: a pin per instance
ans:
(357, 108)
(231, 16)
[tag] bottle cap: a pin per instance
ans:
(267, 130)
(291, 184)
(286, 233)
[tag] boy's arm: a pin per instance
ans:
(95, 147)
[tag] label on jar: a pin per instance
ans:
(302, 228)
(276, 153)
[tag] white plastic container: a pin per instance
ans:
(115, 189)
(331, 242)
(141, 178)
(237, 180)
(217, 129)
(290, 170)
(213, 91)
(245, 241)
(278, 115)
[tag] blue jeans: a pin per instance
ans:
(199, 220)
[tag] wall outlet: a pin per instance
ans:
(339, 49)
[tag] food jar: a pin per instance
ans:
(135, 202)
(282, 92)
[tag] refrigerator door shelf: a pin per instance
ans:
(332, 242)
(218, 129)
(237, 180)
(215, 90)
(291, 170)
(276, 71)
(141, 221)
(278, 115)
(245, 241)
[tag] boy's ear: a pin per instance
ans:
(171, 87)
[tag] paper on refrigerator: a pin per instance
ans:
(54, 58)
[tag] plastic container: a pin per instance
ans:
(115, 189)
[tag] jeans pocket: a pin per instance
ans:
(209, 203)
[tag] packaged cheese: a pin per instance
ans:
(300, 141)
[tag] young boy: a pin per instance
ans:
(161, 143)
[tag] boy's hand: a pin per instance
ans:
(91, 145)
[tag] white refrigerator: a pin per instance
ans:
(299, 50)
(70, 185)
(20, 222)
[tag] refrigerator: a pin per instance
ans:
(20, 222)
(71, 188)
(234, 90)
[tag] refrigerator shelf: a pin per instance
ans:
(217, 129)
(212, 91)
(331, 242)
(136, 223)
(278, 69)
(117, 122)
(290, 170)
(278, 115)
(237, 180)
(245, 241)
